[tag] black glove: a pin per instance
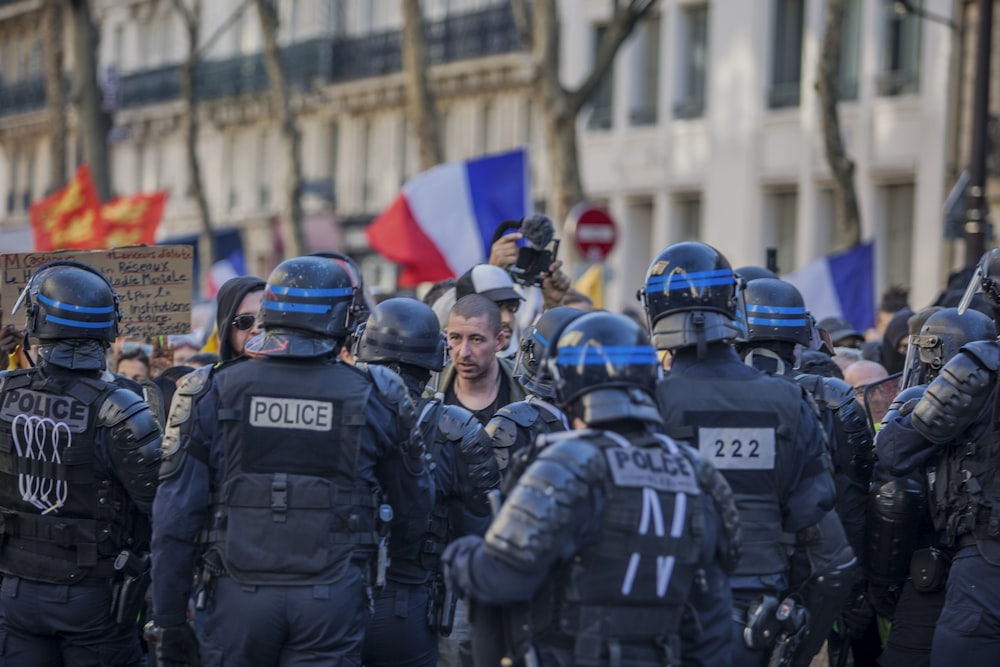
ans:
(176, 646)
(858, 613)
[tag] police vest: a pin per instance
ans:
(740, 425)
(292, 509)
(64, 517)
(631, 585)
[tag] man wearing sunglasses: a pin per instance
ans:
(238, 301)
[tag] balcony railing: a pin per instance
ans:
(22, 96)
(486, 32)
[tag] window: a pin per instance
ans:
(694, 38)
(780, 223)
(687, 212)
(850, 48)
(600, 113)
(646, 88)
(786, 61)
(901, 59)
(898, 233)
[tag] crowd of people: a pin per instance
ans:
(501, 474)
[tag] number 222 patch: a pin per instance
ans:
(737, 448)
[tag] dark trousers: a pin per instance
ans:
(398, 634)
(284, 626)
(55, 625)
(913, 627)
(968, 630)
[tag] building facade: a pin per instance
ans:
(707, 128)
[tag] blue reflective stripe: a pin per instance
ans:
(99, 310)
(771, 322)
(682, 282)
(78, 323)
(309, 292)
(541, 339)
(298, 307)
(621, 354)
(776, 310)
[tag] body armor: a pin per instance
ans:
(416, 544)
(629, 587)
(515, 427)
(65, 518)
(292, 434)
(740, 426)
(846, 425)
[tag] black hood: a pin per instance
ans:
(229, 297)
(896, 330)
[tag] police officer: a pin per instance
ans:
(77, 480)
(957, 416)
(515, 427)
(779, 328)
(762, 433)
(272, 470)
(902, 537)
(615, 541)
(412, 604)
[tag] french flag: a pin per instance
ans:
(442, 222)
(840, 285)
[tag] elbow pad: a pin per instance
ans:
(134, 441)
(955, 399)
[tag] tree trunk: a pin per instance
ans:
(291, 138)
(560, 107)
(94, 122)
(55, 94)
(419, 101)
(206, 240)
(846, 211)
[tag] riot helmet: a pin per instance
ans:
(775, 311)
(943, 335)
(402, 331)
(528, 368)
(690, 297)
(360, 307)
(66, 299)
(306, 309)
(752, 272)
(604, 369)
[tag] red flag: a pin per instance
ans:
(69, 218)
(133, 220)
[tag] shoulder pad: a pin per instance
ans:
(986, 352)
(836, 392)
(954, 399)
(521, 413)
(547, 502)
(811, 383)
(502, 430)
(195, 383)
(119, 405)
(389, 385)
(454, 422)
(906, 399)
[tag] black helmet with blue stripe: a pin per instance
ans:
(66, 299)
(306, 309)
(604, 369)
(775, 311)
(690, 297)
(528, 368)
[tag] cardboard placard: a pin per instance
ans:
(153, 284)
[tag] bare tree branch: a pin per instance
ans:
(419, 100)
(222, 29)
(522, 20)
(192, 25)
(291, 138)
(621, 26)
(847, 212)
(55, 94)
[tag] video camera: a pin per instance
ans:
(534, 259)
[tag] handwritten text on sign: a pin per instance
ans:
(153, 284)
